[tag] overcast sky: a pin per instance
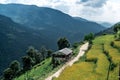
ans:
(95, 10)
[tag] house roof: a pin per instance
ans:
(65, 51)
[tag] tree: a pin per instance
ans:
(34, 55)
(117, 31)
(49, 53)
(8, 74)
(31, 52)
(89, 37)
(38, 58)
(116, 27)
(63, 43)
(27, 63)
(43, 51)
(15, 66)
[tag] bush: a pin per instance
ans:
(8, 74)
(89, 37)
(112, 66)
(75, 45)
(92, 60)
(112, 44)
(106, 53)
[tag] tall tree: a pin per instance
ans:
(89, 37)
(117, 31)
(31, 52)
(27, 63)
(8, 74)
(38, 58)
(43, 51)
(49, 53)
(34, 55)
(15, 66)
(63, 43)
(116, 27)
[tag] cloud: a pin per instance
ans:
(94, 3)
(95, 10)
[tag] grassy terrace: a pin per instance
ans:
(94, 65)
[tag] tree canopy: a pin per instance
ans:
(63, 43)
(116, 27)
(89, 37)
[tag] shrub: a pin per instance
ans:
(112, 66)
(92, 60)
(112, 44)
(8, 74)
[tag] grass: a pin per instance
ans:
(76, 51)
(38, 72)
(94, 65)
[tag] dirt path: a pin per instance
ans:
(83, 48)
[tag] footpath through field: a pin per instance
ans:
(83, 48)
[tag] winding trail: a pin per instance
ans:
(83, 48)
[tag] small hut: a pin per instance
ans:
(63, 54)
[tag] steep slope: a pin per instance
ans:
(49, 21)
(15, 39)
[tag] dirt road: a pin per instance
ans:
(83, 48)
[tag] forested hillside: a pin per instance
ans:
(15, 39)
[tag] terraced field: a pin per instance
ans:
(101, 62)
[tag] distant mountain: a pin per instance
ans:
(50, 22)
(108, 30)
(37, 26)
(106, 24)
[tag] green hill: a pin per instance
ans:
(103, 57)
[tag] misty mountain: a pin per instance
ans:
(49, 21)
(106, 24)
(108, 30)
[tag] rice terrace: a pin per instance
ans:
(101, 62)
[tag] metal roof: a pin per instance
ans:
(65, 51)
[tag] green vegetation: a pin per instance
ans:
(43, 69)
(116, 27)
(38, 71)
(36, 65)
(89, 37)
(63, 43)
(99, 63)
(33, 58)
(12, 71)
